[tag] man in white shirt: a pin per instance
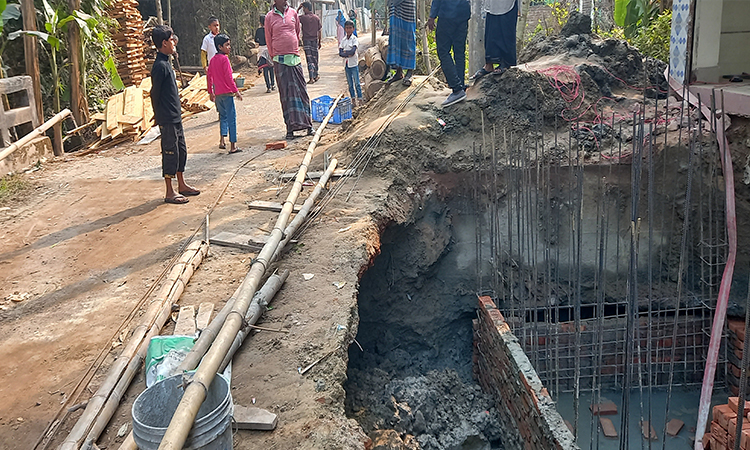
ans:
(348, 51)
(208, 48)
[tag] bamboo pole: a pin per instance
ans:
(113, 401)
(172, 289)
(34, 134)
(209, 333)
(261, 299)
(31, 55)
(195, 392)
(305, 210)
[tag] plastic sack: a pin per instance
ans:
(165, 353)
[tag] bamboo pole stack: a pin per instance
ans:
(128, 37)
(195, 392)
(102, 404)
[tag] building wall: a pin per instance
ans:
(502, 369)
(722, 31)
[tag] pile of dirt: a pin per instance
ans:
(438, 409)
(611, 63)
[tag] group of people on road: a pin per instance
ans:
(283, 31)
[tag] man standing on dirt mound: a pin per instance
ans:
(452, 29)
(402, 40)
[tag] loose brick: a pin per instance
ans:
(486, 302)
(648, 431)
(278, 145)
(734, 405)
(722, 414)
(737, 327)
(674, 426)
(603, 409)
(608, 428)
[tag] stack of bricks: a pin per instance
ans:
(735, 343)
(503, 370)
(721, 433)
(128, 38)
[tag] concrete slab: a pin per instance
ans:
(204, 315)
(185, 321)
(252, 418)
(39, 149)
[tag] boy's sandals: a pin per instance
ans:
(176, 200)
(479, 74)
(190, 193)
(236, 150)
(317, 77)
(222, 147)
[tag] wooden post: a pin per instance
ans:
(31, 55)
(77, 101)
(476, 37)
(425, 44)
(373, 20)
(159, 15)
(521, 23)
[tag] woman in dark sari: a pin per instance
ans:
(283, 39)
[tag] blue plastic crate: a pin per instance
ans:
(321, 105)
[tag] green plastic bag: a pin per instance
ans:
(164, 354)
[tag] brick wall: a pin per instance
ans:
(503, 370)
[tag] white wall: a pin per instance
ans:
(722, 39)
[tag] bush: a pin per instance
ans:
(653, 40)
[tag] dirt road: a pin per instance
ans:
(91, 235)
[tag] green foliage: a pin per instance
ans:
(653, 40)
(632, 15)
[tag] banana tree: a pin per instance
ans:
(8, 11)
(634, 14)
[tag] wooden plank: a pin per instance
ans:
(262, 205)
(99, 116)
(114, 110)
(148, 112)
(133, 102)
(316, 175)
(145, 84)
(131, 120)
(252, 418)
(240, 241)
(608, 428)
(204, 315)
(185, 322)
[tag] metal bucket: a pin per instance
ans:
(154, 408)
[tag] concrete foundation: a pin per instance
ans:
(39, 149)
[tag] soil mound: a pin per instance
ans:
(611, 63)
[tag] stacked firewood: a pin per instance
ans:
(128, 38)
(372, 64)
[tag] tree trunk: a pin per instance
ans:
(31, 54)
(77, 100)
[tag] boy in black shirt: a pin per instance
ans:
(168, 115)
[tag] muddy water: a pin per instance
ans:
(683, 406)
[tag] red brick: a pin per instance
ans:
(608, 428)
(722, 415)
(737, 327)
(734, 405)
(745, 441)
(675, 425)
(603, 409)
(486, 302)
(278, 145)
(666, 342)
(718, 433)
(648, 431)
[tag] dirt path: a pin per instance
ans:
(92, 235)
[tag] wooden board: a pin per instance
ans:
(261, 205)
(114, 110)
(240, 241)
(185, 322)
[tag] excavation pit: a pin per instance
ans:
(591, 304)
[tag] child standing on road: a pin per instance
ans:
(168, 115)
(264, 59)
(348, 51)
(222, 90)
